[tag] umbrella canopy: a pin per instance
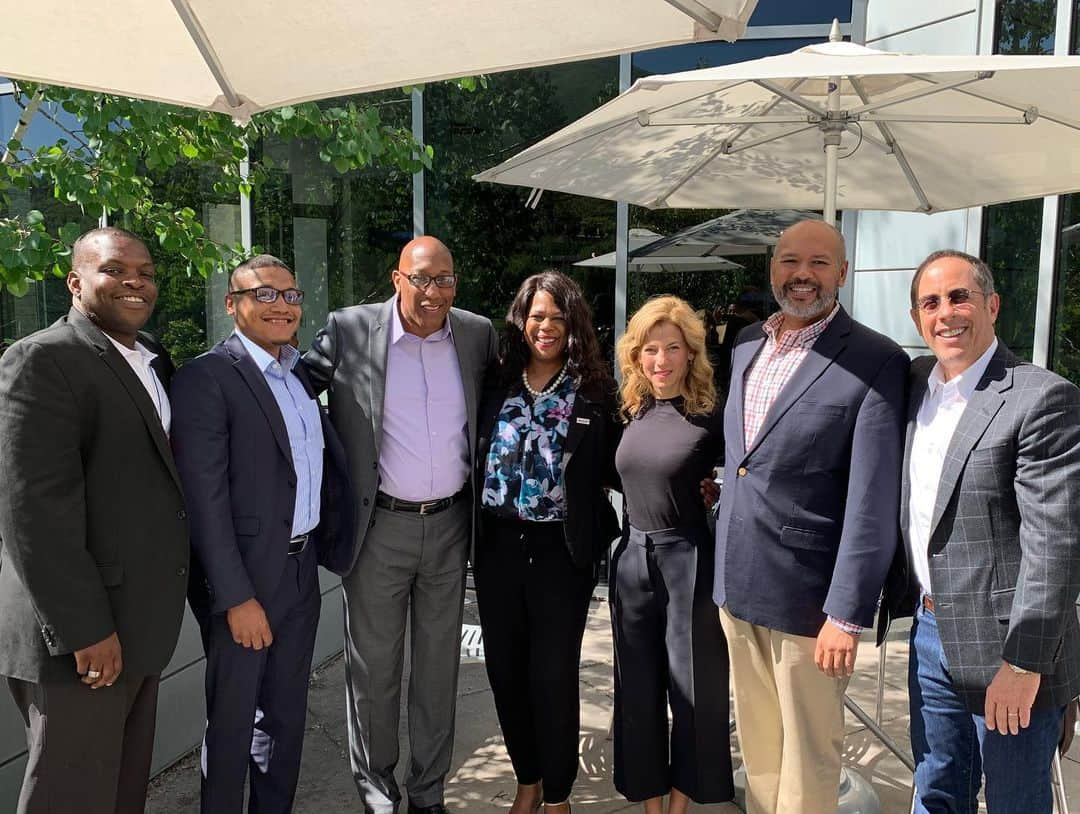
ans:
(746, 231)
(914, 133)
(242, 56)
(686, 256)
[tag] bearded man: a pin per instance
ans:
(807, 523)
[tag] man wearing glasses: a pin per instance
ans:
(269, 499)
(990, 516)
(404, 378)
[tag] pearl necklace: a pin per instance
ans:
(551, 388)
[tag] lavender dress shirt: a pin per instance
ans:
(424, 453)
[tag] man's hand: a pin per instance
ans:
(834, 653)
(249, 625)
(100, 664)
(1008, 700)
(710, 492)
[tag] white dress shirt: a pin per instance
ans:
(939, 414)
(140, 358)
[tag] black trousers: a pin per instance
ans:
(533, 605)
(669, 650)
(256, 700)
(89, 749)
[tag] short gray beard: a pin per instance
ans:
(818, 308)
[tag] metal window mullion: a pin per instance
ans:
(1044, 296)
(622, 233)
(418, 176)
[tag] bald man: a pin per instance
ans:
(93, 563)
(404, 378)
(807, 523)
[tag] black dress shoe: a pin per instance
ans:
(438, 808)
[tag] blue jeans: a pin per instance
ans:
(953, 748)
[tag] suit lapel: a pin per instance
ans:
(378, 352)
(256, 382)
(135, 389)
(915, 397)
(467, 366)
(980, 411)
(825, 349)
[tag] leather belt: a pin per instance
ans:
(423, 508)
(298, 544)
(927, 603)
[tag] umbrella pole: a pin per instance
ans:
(832, 129)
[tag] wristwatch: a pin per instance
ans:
(1020, 671)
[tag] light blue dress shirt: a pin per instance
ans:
(303, 425)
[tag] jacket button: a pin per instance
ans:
(366, 501)
(180, 515)
(181, 572)
(375, 465)
(742, 472)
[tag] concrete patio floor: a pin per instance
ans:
(481, 779)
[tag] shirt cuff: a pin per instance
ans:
(847, 627)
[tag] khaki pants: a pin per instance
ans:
(790, 720)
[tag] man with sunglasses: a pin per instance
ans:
(404, 378)
(269, 499)
(990, 516)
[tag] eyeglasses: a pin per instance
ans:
(265, 293)
(958, 298)
(422, 281)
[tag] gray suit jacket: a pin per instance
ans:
(92, 518)
(1005, 531)
(348, 358)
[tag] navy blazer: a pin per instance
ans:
(807, 524)
(233, 454)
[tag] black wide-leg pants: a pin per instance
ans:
(669, 650)
(533, 604)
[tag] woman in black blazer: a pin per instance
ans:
(548, 430)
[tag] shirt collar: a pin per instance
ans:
(962, 384)
(800, 336)
(139, 352)
(263, 360)
(397, 329)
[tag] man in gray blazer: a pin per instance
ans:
(990, 516)
(404, 378)
(93, 563)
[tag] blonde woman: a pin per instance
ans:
(669, 648)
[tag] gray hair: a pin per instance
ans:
(984, 279)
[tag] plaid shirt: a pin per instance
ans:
(766, 377)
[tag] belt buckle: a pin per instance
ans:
(427, 506)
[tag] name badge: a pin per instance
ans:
(583, 421)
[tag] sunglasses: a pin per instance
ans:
(958, 298)
(265, 293)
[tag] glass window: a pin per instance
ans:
(784, 12)
(496, 241)
(1025, 26)
(1065, 357)
(711, 54)
(1011, 249)
(341, 234)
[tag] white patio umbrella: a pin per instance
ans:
(681, 257)
(242, 56)
(915, 133)
(745, 231)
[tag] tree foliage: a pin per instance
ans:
(109, 160)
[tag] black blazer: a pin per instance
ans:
(233, 453)
(588, 466)
(92, 520)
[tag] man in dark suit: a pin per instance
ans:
(93, 565)
(268, 493)
(404, 378)
(990, 515)
(806, 526)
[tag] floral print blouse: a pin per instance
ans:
(523, 475)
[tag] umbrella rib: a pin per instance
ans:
(210, 57)
(699, 13)
(894, 148)
(997, 100)
(769, 106)
(729, 148)
(792, 97)
(921, 93)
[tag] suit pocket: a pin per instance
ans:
(1001, 603)
(111, 575)
(1000, 456)
(246, 526)
(792, 537)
